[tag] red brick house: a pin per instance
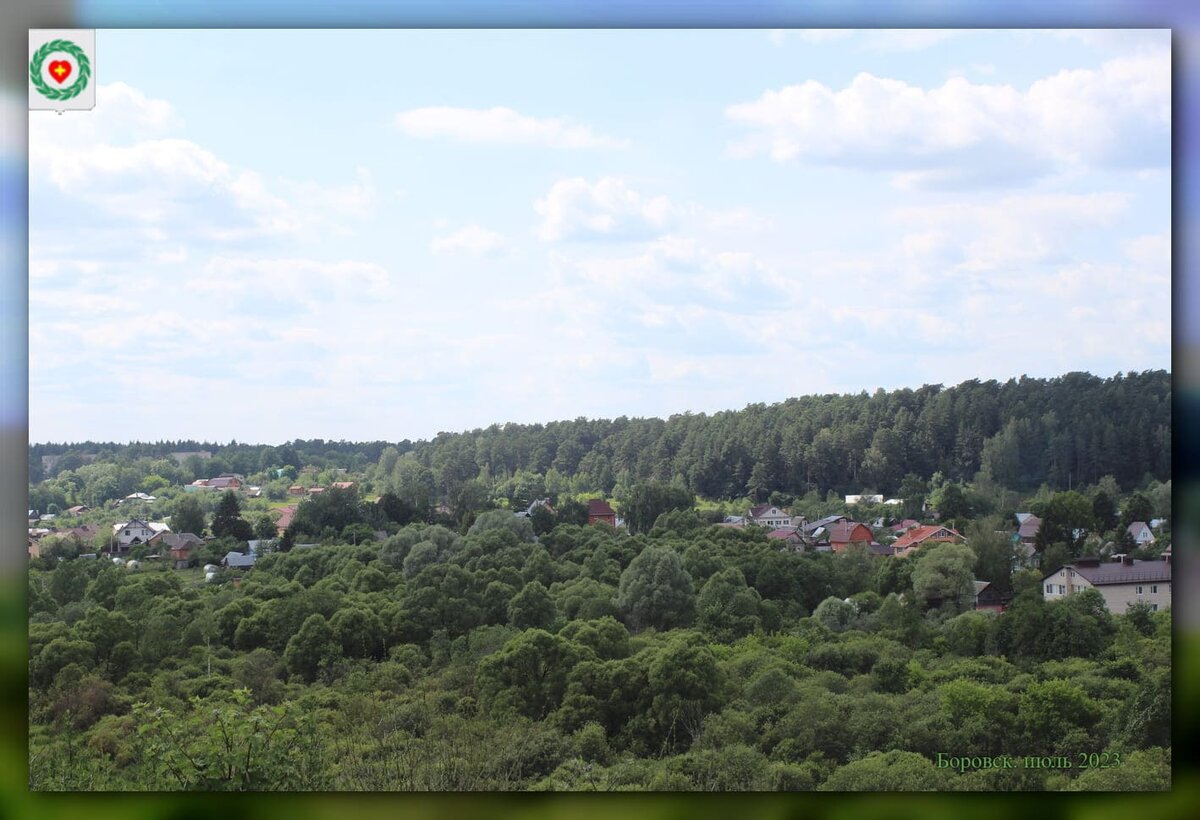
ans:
(599, 510)
(844, 533)
(912, 540)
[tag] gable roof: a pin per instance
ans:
(812, 526)
(285, 519)
(842, 531)
(784, 534)
(1029, 527)
(917, 535)
(1138, 527)
(236, 559)
(181, 540)
(598, 506)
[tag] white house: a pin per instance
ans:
(768, 515)
(864, 499)
(130, 533)
(1122, 581)
(1142, 535)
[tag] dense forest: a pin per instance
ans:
(1019, 434)
(429, 626)
(692, 657)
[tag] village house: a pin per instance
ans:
(533, 505)
(295, 489)
(131, 533)
(180, 546)
(1027, 529)
(344, 485)
(225, 481)
(864, 499)
(1123, 581)
(988, 598)
(913, 539)
(1141, 533)
(787, 537)
(768, 515)
(599, 511)
(844, 533)
(236, 560)
(817, 532)
(286, 514)
(78, 509)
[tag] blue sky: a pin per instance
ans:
(266, 235)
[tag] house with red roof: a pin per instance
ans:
(600, 511)
(786, 537)
(285, 519)
(914, 539)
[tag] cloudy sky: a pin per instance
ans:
(381, 234)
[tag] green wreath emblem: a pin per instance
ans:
(39, 57)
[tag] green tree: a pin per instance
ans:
(648, 500)
(944, 576)
(312, 648)
(528, 675)
(894, 771)
(188, 516)
(994, 552)
(1067, 519)
(227, 521)
(503, 520)
(532, 607)
(264, 527)
(727, 608)
(655, 590)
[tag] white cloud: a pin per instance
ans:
(966, 133)
(500, 125)
(576, 208)
(125, 163)
(472, 239)
(1009, 234)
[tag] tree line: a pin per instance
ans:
(1019, 434)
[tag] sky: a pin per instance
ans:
(266, 235)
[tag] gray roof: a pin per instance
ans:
(812, 526)
(236, 559)
(1116, 572)
(1030, 526)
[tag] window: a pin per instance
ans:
(1050, 588)
(1139, 590)
(1154, 607)
(1154, 589)
(1062, 590)
(127, 532)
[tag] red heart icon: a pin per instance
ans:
(60, 70)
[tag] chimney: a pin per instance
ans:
(1118, 557)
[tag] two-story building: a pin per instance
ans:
(1123, 581)
(768, 515)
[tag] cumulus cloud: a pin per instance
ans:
(608, 208)
(130, 170)
(964, 133)
(502, 126)
(472, 239)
